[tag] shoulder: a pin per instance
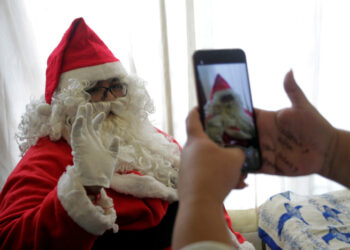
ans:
(47, 148)
(46, 156)
(39, 169)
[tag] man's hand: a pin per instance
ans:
(93, 162)
(297, 140)
(207, 171)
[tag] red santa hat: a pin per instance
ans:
(219, 85)
(80, 55)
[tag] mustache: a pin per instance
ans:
(116, 107)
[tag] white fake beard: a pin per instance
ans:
(232, 115)
(229, 114)
(142, 147)
(116, 108)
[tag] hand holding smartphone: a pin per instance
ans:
(225, 102)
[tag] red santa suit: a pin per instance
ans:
(44, 206)
(31, 211)
(32, 215)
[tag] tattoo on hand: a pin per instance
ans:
(282, 161)
(285, 142)
(289, 164)
(290, 137)
(267, 147)
(267, 162)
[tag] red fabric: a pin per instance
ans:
(219, 84)
(32, 217)
(137, 214)
(170, 138)
(79, 47)
(240, 238)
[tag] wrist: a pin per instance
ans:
(330, 155)
(338, 158)
(93, 192)
(197, 194)
(201, 202)
(200, 220)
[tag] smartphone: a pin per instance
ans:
(225, 102)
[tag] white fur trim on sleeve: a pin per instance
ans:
(95, 219)
(142, 187)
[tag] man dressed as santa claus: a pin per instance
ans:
(95, 173)
(226, 121)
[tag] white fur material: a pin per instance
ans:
(246, 245)
(95, 219)
(142, 187)
(93, 73)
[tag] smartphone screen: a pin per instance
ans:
(225, 102)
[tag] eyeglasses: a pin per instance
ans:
(99, 93)
(227, 98)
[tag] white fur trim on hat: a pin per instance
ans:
(142, 187)
(224, 92)
(95, 219)
(93, 73)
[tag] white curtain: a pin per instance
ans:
(19, 77)
(156, 38)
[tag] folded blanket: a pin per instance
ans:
(291, 221)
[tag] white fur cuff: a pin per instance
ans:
(142, 187)
(95, 219)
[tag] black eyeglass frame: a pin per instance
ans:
(110, 88)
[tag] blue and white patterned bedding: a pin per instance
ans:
(291, 221)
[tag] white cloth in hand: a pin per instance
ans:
(93, 162)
